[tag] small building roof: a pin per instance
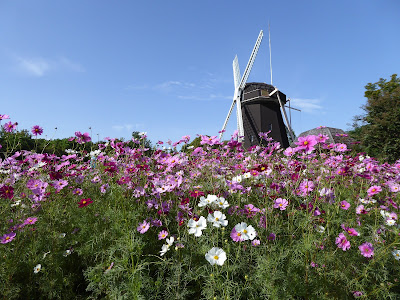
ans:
(335, 135)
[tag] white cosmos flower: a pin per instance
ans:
(37, 268)
(237, 179)
(247, 232)
(385, 214)
(396, 254)
(218, 219)
(247, 175)
(164, 249)
(222, 203)
(216, 256)
(208, 201)
(16, 203)
(196, 227)
(320, 229)
(390, 222)
(166, 246)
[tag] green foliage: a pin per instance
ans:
(379, 128)
(97, 252)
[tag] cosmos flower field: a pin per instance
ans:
(214, 222)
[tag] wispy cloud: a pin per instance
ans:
(67, 64)
(307, 105)
(167, 85)
(205, 98)
(36, 66)
(39, 66)
(127, 127)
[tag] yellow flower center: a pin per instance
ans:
(305, 142)
(216, 219)
(245, 231)
(84, 202)
(216, 257)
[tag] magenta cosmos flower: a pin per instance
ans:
(7, 238)
(85, 202)
(7, 192)
(342, 242)
(82, 138)
(281, 203)
(37, 130)
(367, 250)
(373, 190)
(344, 205)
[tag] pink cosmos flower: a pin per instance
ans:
(306, 186)
(162, 235)
(10, 127)
(367, 250)
(209, 140)
(236, 236)
(77, 191)
(314, 265)
(321, 138)
(37, 130)
(30, 221)
(373, 190)
(8, 237)
(60, 184)
(289, 151)
(341, 147)
(350, 231)
(4, 117)
(255, 242)
(361, 210)
(394, 187)
(143, 227)
(357, 294)
(306, 143)
(281, 203)
(344, 205)
(342, 242)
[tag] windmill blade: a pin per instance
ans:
(227, 118)
(284, 114)
(251, 61)
(236, 72)
(239, 117)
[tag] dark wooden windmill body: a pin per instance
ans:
(262, 113)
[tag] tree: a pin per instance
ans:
(379, 132)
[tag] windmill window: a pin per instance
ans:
(264, 93)
(270, 127)
(252, 139)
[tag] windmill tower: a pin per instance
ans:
(258, 106)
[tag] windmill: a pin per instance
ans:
(258, 106)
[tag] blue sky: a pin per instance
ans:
(165, 67)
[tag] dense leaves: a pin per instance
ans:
(379, 128)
